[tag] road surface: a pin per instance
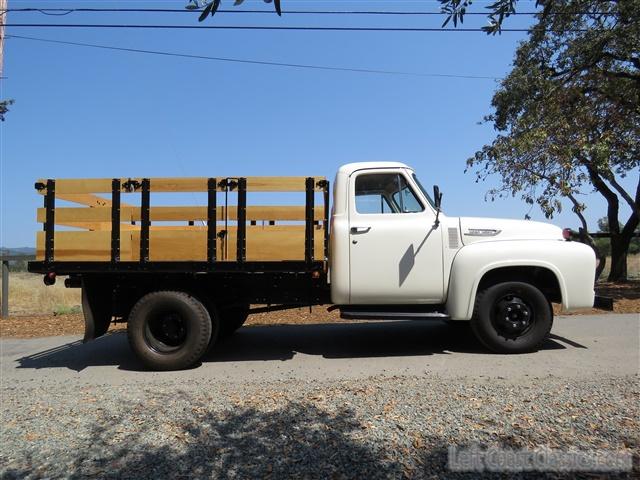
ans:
(580, 346)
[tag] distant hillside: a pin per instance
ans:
(17, 251)
(17, 265)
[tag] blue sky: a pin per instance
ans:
(83, 112)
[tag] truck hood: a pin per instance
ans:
(496, 229)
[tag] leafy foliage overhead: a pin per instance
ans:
(211, 7)
(499, 10)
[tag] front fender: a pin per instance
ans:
(572, 263)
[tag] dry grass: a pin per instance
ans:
(633, 267)
(29, 295)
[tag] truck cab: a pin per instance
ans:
(395, 254)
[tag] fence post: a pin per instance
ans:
(5, 289)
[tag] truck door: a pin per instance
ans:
(395, 253)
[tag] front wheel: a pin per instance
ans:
(512, 317)
(169, 330)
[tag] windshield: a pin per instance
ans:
(422, 189)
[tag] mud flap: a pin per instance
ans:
(96, 307)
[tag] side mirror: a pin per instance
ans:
(437, 200)
(437, 197)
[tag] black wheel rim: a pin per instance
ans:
(512, 317)
(166, 332)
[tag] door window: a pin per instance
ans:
(385, 193)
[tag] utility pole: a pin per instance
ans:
(3, 17)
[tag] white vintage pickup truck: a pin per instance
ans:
(385, 251)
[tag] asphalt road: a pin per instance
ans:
(579, 347)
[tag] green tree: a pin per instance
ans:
(568, 116)
(4, 108)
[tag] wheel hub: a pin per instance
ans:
(166, 332)
(171, 327)
(512, 316)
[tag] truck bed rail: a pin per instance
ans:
(105, 233)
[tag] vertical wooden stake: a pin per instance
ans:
(5, 289)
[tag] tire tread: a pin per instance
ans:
(201, 347)
(481, 335)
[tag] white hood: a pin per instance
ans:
(496, 229)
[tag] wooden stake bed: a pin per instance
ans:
(105, 228)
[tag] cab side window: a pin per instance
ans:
(385, 193)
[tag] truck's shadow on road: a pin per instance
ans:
(282, 342)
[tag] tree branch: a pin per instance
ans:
(612, 199)
(634, 219)
(635, 206)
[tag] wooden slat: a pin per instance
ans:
(185, 184)
(278, 184)
(289, 213)
(182, 245)
(71, 215)
(263, 244)
(83, 246)
(76, 186)
(87, 199)
(98, 226)
(268, 243)
(81, 185)
(284, 243)
(78, 215)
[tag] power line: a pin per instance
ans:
(66, 11)
(254, 62)
(264, 27)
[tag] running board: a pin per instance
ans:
(390, 315)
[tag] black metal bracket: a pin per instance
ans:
(50, 223)
(308, 219)
(131, 185)
(212, 220)
(323, 184)
(222, 234)
(115, 220)
(40, 186)
(228, 183)
(242, 220)
(144, 220)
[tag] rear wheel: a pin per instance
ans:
(512, 317)
(170, 330)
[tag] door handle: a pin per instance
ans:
(356, 230)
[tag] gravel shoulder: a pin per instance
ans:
(367, 400)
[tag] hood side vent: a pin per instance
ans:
(453, 238)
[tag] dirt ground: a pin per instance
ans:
(626, 300)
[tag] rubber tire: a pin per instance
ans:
(232, 318)
(531, 340)
(200, 330)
